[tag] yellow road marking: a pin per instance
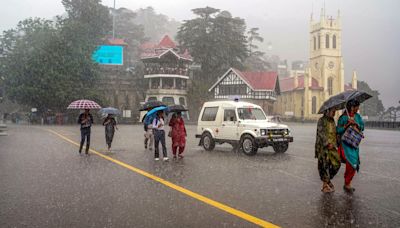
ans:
(185, 191)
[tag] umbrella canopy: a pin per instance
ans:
(176, 108)
(110, 110)
(340, 100)
(150, 105)
(84, 104)
(155, 110)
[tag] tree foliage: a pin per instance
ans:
(373, 106)
(155, 25)
(216, 40)
(47, 64)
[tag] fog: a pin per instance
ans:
(370, 29)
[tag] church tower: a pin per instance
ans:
(326, 63)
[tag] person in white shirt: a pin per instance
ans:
(159, 135)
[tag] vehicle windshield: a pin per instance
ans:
(251, 114)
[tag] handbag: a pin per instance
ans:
(352, 137)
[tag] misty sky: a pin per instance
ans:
(370, 36)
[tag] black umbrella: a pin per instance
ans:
(340, 100)
(150, 105)
(177, 108)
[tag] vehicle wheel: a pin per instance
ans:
(248, 145)
(208, 141)
(281, 147)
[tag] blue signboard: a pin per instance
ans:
(109, 55)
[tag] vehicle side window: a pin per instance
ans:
(229, 115)
(209, 114)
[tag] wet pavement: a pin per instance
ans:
(45, 183)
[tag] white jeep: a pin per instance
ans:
(241, 124)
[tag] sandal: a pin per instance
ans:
(325, 188)
(330, 184)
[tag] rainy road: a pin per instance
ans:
(45, 183)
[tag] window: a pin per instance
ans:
(315, 43)
(152, 99)
(182, 101)
(251, 114)
(314, 105)
(334, 41)
(168, 100)
(319, 42)
(232, 89)
(330, 86)
(229, 115)
(326, 41)
(209, 114)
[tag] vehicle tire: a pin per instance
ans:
(207, 141)
(281, 147)
(248, 145)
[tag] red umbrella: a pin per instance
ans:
(84, 104)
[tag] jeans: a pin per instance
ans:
(85, 134)
(159, 135)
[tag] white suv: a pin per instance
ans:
(241, 124)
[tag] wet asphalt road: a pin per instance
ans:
(45, 183)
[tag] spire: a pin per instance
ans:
(354, 80)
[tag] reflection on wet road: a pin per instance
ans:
(44, 182)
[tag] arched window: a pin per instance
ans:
(315, 43)
(326, 41)
(330, 86)
(319, 41)
(334, 41)
(314, 105)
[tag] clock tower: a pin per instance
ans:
(326, 63)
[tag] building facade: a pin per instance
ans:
(166, 72)
(302, 95)
(261, 88)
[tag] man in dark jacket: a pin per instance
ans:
(85, 120)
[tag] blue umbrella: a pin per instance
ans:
(155, 110)
(110, 110)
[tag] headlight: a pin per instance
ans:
(286, 132)
(263, 132)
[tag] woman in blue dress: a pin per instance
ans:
(350, 154)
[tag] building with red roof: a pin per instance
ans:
(166, 71)
(261, 88)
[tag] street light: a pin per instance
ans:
(113, 32)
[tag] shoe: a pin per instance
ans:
(150, 148)
(166, 159)
(174, 157)
(80, 152)
(156, 159)
(145, 146)
(348, 189)
(180, 156)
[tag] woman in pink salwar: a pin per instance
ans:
(178, 134)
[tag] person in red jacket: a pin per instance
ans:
(178, 134)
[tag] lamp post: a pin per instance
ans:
(114, 21)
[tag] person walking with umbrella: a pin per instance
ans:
(178, 134)
(326, 151)
(159, 135)
(110, 125)
(348, 151)
(85, 119)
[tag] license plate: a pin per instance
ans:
(279, 140)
